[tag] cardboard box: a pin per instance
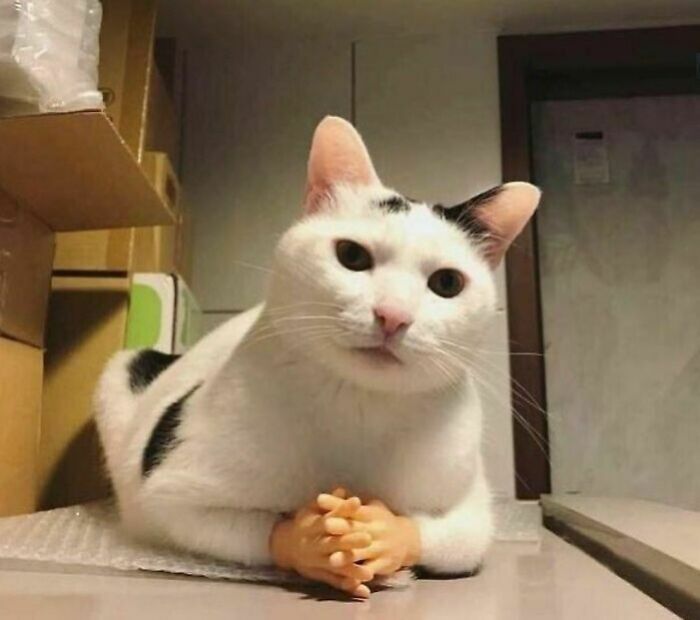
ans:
(20, 416)
(74, 172)
(86, 325)
(65, 172)
(116, 252)
(162, 122)
(89, 320)
(26, 255)
(148, 248)
(163, 314)
(157, 166)
(183, 253)
(126, 62)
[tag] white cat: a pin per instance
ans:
(352, 372)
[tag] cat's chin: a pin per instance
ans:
(378, 356)
(377, 369)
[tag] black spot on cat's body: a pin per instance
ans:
(146, 366)
(422, 572)
(394, 204)
(464, 215)
(163, 437)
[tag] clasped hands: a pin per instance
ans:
(344, 543)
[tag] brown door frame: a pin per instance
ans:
(653, 61)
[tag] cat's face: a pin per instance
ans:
(388, 293)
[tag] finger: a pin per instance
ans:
(352, 571)
(356, 540)
(382, 566)
(378, 503)
(338, 507)
(328, 502)
(375, 550)
(346, 584)
(365, 514)
(338, 559)
(338, 526)
(347, 508)
(340, 492)
(362, 591)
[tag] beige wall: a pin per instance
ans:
(428, 108)
(251, 109)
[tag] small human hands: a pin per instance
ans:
(395, 539)
(306, 544)
(340, 542)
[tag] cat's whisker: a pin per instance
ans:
(537, 437)
(307, 317)
(302, 303)
(261, 336)
(475, 349)
(518, 389)
(243, 263)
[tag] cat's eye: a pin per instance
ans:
(353, 256)
(446, 282)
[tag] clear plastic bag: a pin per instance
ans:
(49, 53)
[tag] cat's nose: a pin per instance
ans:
(392, 319)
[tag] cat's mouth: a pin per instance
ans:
(378, 355)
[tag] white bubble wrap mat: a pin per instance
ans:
(89, 535)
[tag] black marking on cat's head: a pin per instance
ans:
(464, 215)
(394, 204)
(145, 367)
(163, 438)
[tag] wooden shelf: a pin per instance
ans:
(74, 172)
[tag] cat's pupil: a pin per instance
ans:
(353, 256)
(446, 282)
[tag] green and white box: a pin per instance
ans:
(163, 314)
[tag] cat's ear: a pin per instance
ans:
(338, 155)
(500, 214)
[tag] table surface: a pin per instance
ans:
(542, 581)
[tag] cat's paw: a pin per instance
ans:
(305, 545)
(395, 539)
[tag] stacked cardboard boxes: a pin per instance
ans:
(116, 288)
(26, 253)
(141, 106)
(88, 179)
(101, 176)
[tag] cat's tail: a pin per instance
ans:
(114, 404)
(127, 375)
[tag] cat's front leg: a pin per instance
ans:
(442, 545)
(454, 543)
(229, 534)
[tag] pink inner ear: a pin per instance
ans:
(505, 215)
(338, 155)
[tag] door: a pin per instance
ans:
(619, 259)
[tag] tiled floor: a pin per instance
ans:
(521, 580)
